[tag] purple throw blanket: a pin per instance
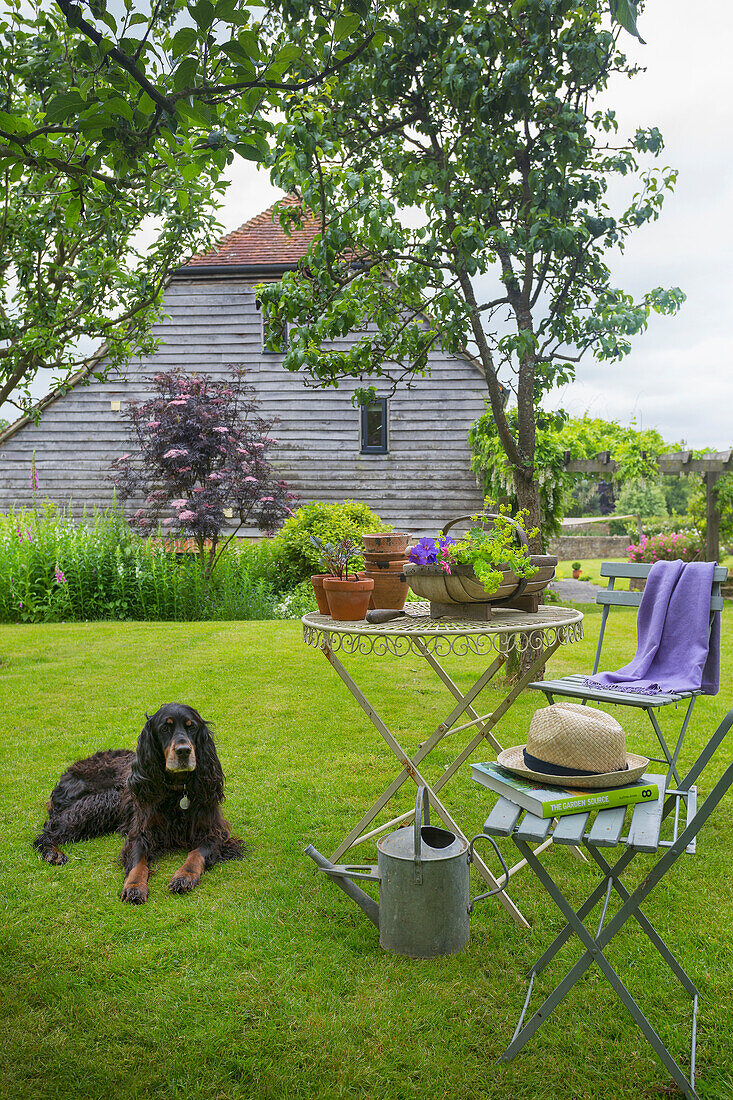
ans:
(675, 649)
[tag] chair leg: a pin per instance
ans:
(671, 757)
(594, 953)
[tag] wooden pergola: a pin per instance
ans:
(680, 462)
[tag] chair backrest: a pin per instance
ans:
(612, 597)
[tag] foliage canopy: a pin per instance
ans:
(483, 118)
(117, 121)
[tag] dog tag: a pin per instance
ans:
(184, 803)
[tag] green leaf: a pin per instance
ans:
(182, 197)
(203, 14)
(64, 106)
(346, 25)
(249, 152)
(118, 106)
(183, 41)
(623, 12)
(183, 76)
(227, 9)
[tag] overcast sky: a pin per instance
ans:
(678, 378)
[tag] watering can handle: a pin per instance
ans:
(504, 884)
(422, 798)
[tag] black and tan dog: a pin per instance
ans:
(163, 796)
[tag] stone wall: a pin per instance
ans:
(587, 547)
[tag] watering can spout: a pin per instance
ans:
(342, 880)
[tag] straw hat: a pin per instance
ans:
(573, 745)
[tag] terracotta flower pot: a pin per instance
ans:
(390, 585)
(348, 600)
(392, 542)
(321, 598)
(576, 574)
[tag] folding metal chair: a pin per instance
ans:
(508, 819)
(574, 686)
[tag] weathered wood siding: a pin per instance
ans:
(214, 324)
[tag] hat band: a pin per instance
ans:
(546, 768)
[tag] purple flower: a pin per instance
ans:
(424, 552)
(60, 578)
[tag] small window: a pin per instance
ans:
(374, 427)
(274, 335)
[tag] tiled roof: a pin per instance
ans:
(261, 241)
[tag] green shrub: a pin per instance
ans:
(293, 556)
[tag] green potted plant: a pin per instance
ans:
(490, 564)
(347, 594)
(576, 567)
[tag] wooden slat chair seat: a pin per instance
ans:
(574, 686)
(630, 830)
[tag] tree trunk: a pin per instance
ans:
(528, 498)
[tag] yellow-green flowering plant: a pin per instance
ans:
(491, 546)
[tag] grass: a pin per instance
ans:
(591, 569)
(266, 982)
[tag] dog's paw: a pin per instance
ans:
(134, 895)
(182, 882)
(55, 856)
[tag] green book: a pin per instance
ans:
(555, 801)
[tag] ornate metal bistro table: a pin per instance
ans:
(417, 633)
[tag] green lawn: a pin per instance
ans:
(266, 981)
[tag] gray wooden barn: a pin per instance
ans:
(406, 456)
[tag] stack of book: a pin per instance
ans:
(555, 801)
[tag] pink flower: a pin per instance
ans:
(178, 401)
(186, 515)
(224, 431)
(60, 578)
(179, 503)
(250, 478)
(175, 452)
(168, 522)
(153, 424)
(214, 477)
(258, 444)
(264, 500)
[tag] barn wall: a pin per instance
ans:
(214, 324)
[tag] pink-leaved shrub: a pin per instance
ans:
(200, 446)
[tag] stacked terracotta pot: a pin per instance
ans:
(385, 559)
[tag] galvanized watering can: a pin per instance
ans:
(424, 887)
